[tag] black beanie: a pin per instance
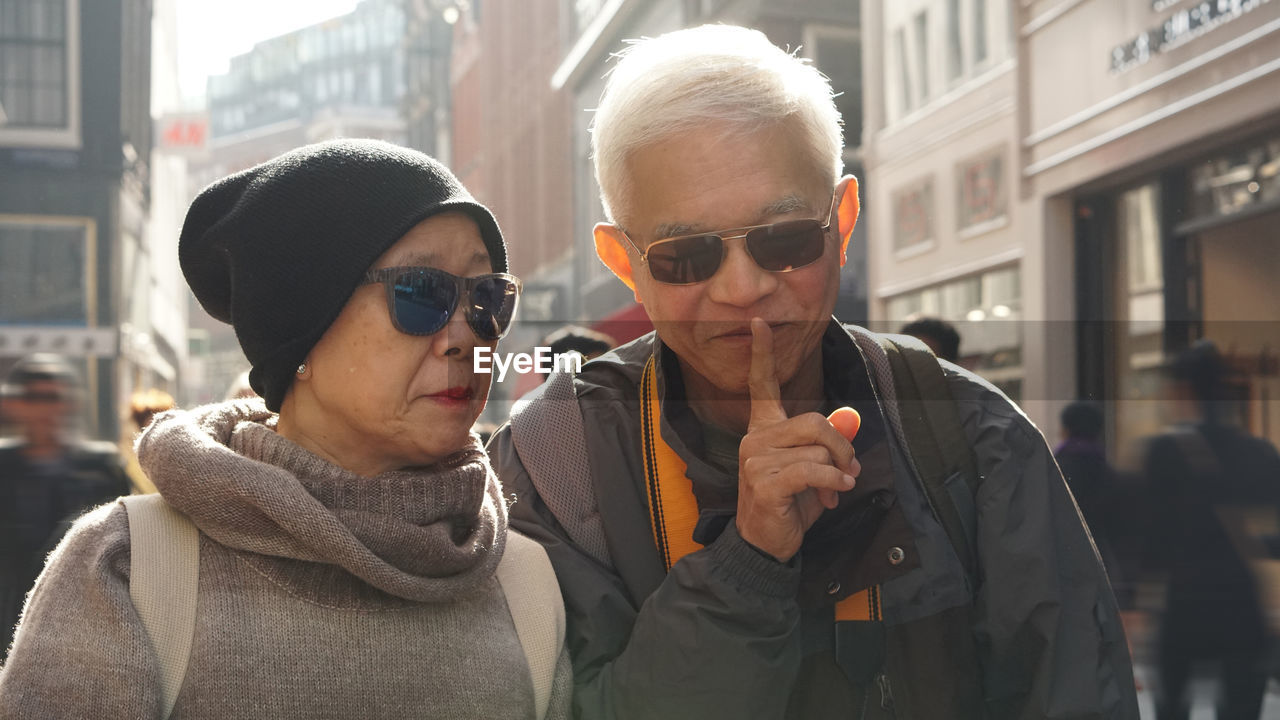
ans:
(277, 250)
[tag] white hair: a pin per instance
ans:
(714, 73)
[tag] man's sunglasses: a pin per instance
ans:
(779, 247)
(421, 300)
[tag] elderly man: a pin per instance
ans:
(696, 490)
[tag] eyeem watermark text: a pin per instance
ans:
(542, 361)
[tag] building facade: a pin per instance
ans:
(1086, 186)
(512, 136)
(75, 188)
(1153, 167)
(344, 77)
(946, 236)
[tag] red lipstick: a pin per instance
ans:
(459, 393)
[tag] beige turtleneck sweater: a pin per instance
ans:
(322, 594)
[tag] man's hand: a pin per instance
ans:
(789, 469)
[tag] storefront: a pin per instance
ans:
(1148, 158)
(1185, 252)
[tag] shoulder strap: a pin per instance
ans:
(164, 565)
(548, 434)
(533, 596)
(936, 441)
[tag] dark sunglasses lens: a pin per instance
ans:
(786, 245)
(493, 303)
(687, 260)
(423, 302)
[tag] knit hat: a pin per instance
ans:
(278, 249)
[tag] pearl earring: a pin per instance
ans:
(302, 368)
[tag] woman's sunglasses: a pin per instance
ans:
(780, 247)
(421, 300)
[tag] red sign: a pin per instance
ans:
(183, 133)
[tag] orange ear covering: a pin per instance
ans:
(848, 211)
(611, 252)
(846, 421)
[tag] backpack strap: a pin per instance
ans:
(548, 434)
(164, 567)
(533, 597)
(936, 442)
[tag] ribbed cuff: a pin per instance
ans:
(752, 569)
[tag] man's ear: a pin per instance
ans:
(611, 248)
(847, 208)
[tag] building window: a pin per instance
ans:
(837, 52)
(913, 216)
(955, 46)
(922, 54)
(986, 310)
(907, 97)
(44, 278)
(979, 31)
(981, 195)
(39, 73)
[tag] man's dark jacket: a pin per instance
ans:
(732, 633)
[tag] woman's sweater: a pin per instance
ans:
(322, 594)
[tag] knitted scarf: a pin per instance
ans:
(427, 534)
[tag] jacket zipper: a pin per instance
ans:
(886, 692)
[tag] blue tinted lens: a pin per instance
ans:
(493, 302)
(423, 302)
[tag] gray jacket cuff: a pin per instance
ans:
(752, 569)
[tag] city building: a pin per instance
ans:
(75, 191)
(344, 77)
(1088, 186)
(947, 237)
(1152, 164)
(512, 140)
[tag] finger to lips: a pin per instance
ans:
(762, 380)
(846, 421)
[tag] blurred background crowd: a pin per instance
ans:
(1076, 199)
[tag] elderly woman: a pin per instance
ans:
(350, 530)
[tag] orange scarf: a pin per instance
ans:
(673, 509)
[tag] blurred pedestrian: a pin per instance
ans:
(1083, 459)
(1204, 478)
(352, 537)
(575, 338)
(47, 475)
(941, 336)
(144, 405)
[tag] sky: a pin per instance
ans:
(211, 32)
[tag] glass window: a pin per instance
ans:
(1140, 228)
(986, 310)
(922, 53)
(955, 48)
(979, 31)
(1139, 309)
(913, 215)
(33, 63)
(981, 194)
(906, 96)
(42, 274)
